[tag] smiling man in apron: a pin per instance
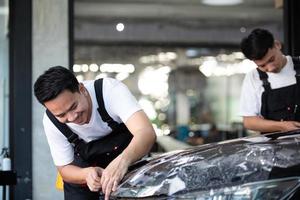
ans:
(95, 130)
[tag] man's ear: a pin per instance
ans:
(82, 89)
(277, 44)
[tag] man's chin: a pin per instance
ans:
(275, 71)
(79, 122)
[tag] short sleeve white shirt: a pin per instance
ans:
(120, 105)
(252, 89)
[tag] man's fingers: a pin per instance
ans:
(108, 190)
(94, 180)
(94, 177)
(99, 171)
(115, 185)
(108, 186)
(106, 196)
(104, 182)
(103, 177)
(94, 185)
(295, 124)
(94, 188)
(97, 185)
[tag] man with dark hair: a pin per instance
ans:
(270, 93)
(97, 113)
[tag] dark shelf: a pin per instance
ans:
(8, 178)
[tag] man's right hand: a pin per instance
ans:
(290, 125)
(258, 123)
(93, 178)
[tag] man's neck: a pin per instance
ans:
(283, 62)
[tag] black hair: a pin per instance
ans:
(52, 82)
(256, 45)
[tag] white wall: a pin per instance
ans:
(4, 76)
(4, 92)
(50, 47)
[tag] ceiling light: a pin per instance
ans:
(120, 27)
(94, 67)
(76, 68)
(221, 2)
(84, 68)
(117, 68)
(243, 29)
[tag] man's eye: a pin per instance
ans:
(262, 66)
(74, 107)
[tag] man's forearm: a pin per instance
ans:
(73, 174)
(139, 146)
(260, 124)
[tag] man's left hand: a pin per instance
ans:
(113, 174)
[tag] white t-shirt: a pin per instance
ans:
(120, 105)
(252, 89)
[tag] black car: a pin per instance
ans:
(261, 167)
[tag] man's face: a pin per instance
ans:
(273, 61)
(70, 107)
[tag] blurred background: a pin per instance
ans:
(181, 59)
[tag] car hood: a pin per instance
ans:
(219, 167)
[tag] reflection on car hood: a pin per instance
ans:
(217, 168)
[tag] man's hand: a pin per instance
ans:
(93, 178)
(258, 123)
(143, 139)
(113, 174)
(290, 125)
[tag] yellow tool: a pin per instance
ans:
(59, 182)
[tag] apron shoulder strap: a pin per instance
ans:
(98, 84)
(65, 130)
(296, 62)
(263, 76)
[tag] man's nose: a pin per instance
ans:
(72, 116)
(270, 68)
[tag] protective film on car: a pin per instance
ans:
(218, 169)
